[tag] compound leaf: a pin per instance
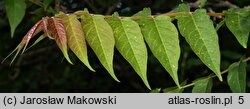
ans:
(203, 86)
(199, 32)
(162, 38)
(237, 77)
(238, 22)
(15, 11)
(76, 37)
(129, 42)
(99, 36)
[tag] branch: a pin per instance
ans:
(208, 77)
(80, 13)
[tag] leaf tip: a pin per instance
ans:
(111, 72)
(245, 46)
(70, 62)
(12, 33)
(146, 83)
(115, 78)
(67, 57)
(220, 78)
(148, 86)
(90, 68)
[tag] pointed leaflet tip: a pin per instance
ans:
(220, 77)
(145, 80)
(15, 10)
(10, 54)
(111, 72)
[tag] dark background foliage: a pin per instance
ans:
(42, 68)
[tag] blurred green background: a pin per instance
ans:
(42, 68)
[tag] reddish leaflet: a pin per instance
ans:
(59, 33)
(47, 25)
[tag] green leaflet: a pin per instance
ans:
(182, 8)
(201, 35)
(15, 11)
(237, 77)
(162, 38)
(40, 38)
(129, 42)
(99, 36)
(238, 22)
(203, 85)
(76, 38)
(144, 12)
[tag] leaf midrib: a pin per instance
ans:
(130, 44)
(57, 31)
(193, 20)
(99, 39)
(74, 35)
(161, 40)
(238, 76)
(207, 85)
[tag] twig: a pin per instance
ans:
(208, 77)
(111, 9)
(224, 4)
(221, 3)
(195, 4)
(80, 13)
